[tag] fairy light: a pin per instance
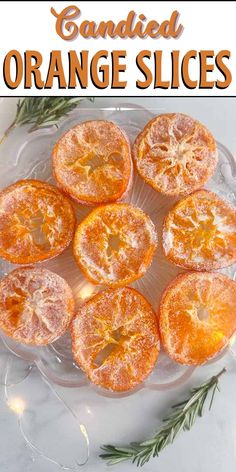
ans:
(84, 432)
(88, 410)
(86, 291)
(17, 405)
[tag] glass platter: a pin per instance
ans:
(28, 156)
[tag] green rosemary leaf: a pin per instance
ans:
(179, 426)
(213, 394)
(149, 442)
(41, 112)
(182, 417)
(202, 403)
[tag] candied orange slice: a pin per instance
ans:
(175, 154)
(115, 338)
(36, 305)
(36, 222)
(197, 316)
(200, 232)
(92, 162)
(114, 244)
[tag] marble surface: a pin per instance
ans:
(59, 432)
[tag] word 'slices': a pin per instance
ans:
(193, 70)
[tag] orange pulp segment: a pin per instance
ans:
(92, 162)
(175, 154)
(115, 338)
(114, 244)
(36, 222)
(200, 232)
(197, 316)
(36, 305)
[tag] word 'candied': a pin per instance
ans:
(131, 27)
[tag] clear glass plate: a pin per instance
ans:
(28, 156)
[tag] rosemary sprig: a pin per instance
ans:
(181, 418)
(41, 112)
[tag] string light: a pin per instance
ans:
(85, 434)
(88, 410)
(86, 291)
(17, 405)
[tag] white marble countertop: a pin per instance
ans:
(209, 447)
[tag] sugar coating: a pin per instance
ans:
(122, 320)
(135, 237)
(200, 232)
(175, 154)
(36, 222)
(92, 162)
(36, 305)
(197, 316)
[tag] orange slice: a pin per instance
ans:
(92, 162)
(175, 154)
(200, 232)
(115, 338)
(114, 244)
(197, 316)
(36, 222)
(36, 305)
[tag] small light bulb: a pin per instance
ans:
(86, 291)
(17, 405)
(84, 432)
(88, 410)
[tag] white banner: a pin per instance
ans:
(117, 48)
